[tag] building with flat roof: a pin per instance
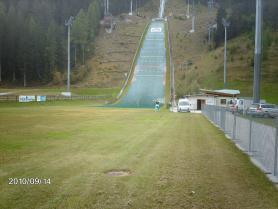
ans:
(220, 97)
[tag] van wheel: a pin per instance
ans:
(266, 115)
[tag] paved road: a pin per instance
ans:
(148, 82)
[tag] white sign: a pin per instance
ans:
(66, 94)
(156, 30)
(27, 98)
(41, 98)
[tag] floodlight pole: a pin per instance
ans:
(210, 4)
(226, 25)
(131, 7)
(209, 34)
(258, 52)
(193, 17)
(69, 24)
(161, 9)
(188, 10)
(107, 7)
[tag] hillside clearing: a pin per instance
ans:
(197, 66)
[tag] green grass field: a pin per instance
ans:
(175, 160)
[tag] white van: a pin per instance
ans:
(183, 105)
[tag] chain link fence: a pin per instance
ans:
(258, 140)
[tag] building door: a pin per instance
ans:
(201, 104)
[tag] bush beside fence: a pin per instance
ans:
(258, 140)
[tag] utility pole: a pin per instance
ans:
(130, 13)
(188, 10)
(193, 17)
(258, 52)
(209, 33)
(210, 4)
(226, 24)
(136, 7)
(107, 7)
(211, 27)
(161, 9)
(69, 24)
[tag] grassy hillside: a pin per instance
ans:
(114, 52)
(198, 67)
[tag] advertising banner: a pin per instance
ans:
(27, 98)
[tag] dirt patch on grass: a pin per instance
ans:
(118, 173)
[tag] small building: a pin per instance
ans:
(212, 97)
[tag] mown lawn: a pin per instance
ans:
(175, 160)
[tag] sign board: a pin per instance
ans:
(27, 98)
(66, 94)
(156, 30)
(41, 98)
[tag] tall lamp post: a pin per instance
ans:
(211, 28)
(258, 52)
(131, 8)
(193, 17)
(188, 10)
(69, 23)
(226, 24)
(106, 7)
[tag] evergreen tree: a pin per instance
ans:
(2, 23)
(93, 16)
(51, 47)
(33, 39)
(80, 31)
(219, 35)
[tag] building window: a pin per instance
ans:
(223, 102)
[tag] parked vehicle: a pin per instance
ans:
(239, 105)
(184, 105)
(263, 110)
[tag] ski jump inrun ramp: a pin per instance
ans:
(149, 77)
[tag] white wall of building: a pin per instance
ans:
(208, 100)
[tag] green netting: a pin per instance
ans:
(149, 80)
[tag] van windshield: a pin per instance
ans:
(268, 106)
(183, 103)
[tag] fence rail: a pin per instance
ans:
(15, 98)
(258, 140)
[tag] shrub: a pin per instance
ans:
(57, 78)
(79, 74)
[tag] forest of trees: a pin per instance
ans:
(33, 36)
(241, 15)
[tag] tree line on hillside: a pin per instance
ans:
(33, 36)
(241, 15)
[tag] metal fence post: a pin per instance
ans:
(224, 119)
(221, 118)
(276, 154)
(214, 115)
(250, 135)
(234, 127)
